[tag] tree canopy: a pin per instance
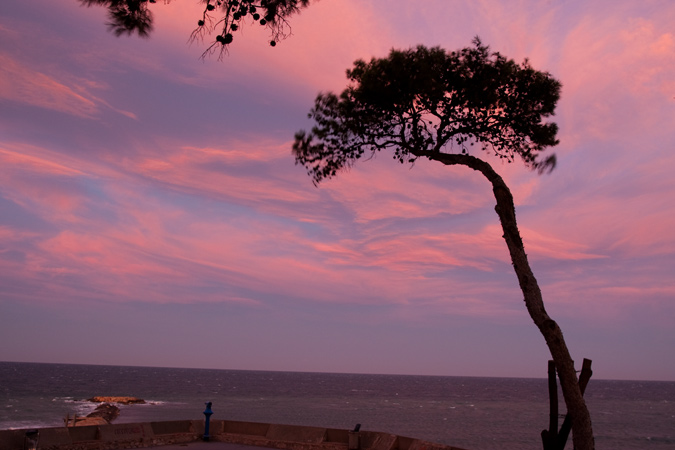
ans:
(220, 17)
(427, 100)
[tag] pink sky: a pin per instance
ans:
(151, 212)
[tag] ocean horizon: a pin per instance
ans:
(471, 412)
(325, 372)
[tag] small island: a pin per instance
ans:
(119, 400)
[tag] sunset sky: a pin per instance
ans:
(151, 212)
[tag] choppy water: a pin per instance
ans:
(474, 413)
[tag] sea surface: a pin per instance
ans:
(467, 412)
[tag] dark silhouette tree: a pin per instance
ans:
(126, 16)
(222, 17)
(428, 103)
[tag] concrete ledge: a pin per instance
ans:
(81, 434)
(153, 434)
(135, 432)
(378, 441)
(197, 426)
(246, 428)
(216, 427)
(423, 445)
(336, 435)
(293, 433)
(10, 439)
(55, 436)
(172, 427)
(258, 441)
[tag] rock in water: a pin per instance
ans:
(106, 411)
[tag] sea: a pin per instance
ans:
(468, 412)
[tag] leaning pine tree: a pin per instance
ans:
(429, 103)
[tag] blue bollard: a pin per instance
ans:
(207, 414)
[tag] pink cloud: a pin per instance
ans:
(621, 210)
(518, 30)
(46, 182)
(650, 47)
(381, 188)
(608, 301)
(21, 158)
(416, 254)
(188, 168)
(279, 259)
(22, 84)
(546, 245)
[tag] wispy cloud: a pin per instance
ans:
(24, 85)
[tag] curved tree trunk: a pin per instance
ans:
(576, 406)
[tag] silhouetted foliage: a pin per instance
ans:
(126, 16)
(225, 17)
(429, 100)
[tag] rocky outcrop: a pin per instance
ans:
(104, 414)
(120, 400)
(106, 411)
